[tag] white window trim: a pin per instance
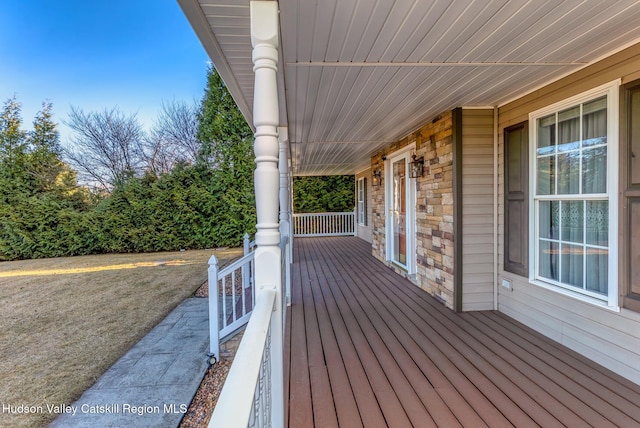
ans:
(362, 210)
(611, 90)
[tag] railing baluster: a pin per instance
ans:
(223, 279)
(214, 325)
(233, 296)
(245, 273)
(243, 292)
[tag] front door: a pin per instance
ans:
(400, 204)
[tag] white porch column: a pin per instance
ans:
(285, 228)
(264, 39)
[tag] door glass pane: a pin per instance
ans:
(399, 212)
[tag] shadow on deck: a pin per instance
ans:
(367, 348)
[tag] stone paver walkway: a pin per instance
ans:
(153, 384)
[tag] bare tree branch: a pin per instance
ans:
(106, 146)
(173, 137)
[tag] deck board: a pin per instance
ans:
(600, 412)
(335, 328)
(369, 348)
(523, 383)
(343, 397)
(299, 386)
(419, 398)
(412, 361)
(388, 381)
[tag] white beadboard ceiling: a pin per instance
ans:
(358, 74)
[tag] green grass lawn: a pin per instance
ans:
(65, 321)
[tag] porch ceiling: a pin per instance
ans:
(359, 74)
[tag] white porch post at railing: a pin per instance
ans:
(264, 39)
(245, 243)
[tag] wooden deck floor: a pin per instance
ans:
(368, 348)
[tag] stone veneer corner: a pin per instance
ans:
(434, 208)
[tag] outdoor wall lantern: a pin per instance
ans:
(376, 178)
(416, 167)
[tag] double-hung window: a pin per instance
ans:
(574, 155)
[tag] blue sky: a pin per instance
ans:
(91, 54)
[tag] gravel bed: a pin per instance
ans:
(206, 396)
(204, 401)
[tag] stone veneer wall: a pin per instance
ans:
(434, 208)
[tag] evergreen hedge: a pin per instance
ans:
(45, 213)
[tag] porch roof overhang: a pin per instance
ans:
(356, 75)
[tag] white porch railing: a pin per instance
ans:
(249, 396)
(231, 296)
(324, 224)
(245, 400)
